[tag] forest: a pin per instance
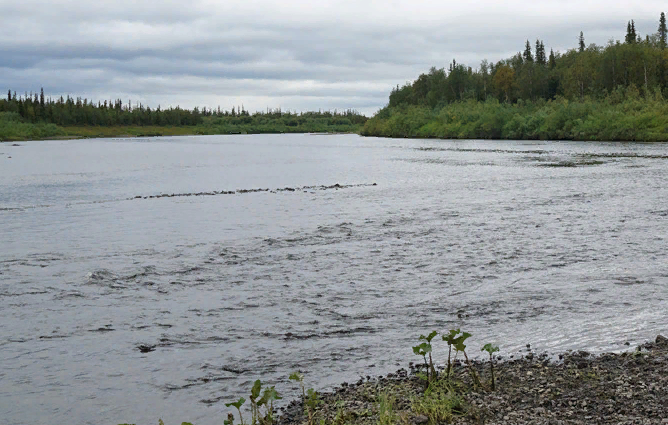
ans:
(590, 92)
(35, 116)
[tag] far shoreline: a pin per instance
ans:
(169, 132)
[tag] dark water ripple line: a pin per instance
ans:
(435, 149)
(335, 186)
(548, 152)
(244, 191)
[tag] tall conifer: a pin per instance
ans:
(528, 56)
(581, 42)
(540, 53)
(9, 96)
(553, 60)
(663, 31)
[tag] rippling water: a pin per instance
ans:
(561, 245)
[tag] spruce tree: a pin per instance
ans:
(41, 98)
(581, 42)
(553, 60)
(633, 36)
(528, 56)
(9, 96)
(627, 38)
(540, 53)
(663, 31)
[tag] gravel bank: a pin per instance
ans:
(573, 388)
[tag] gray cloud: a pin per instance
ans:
(294, 54)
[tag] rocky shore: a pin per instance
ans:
(572, 388)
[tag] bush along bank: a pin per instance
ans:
(573, 388)
(620, 117)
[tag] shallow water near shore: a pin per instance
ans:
(557, 244)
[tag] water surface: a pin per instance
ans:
(561, 245)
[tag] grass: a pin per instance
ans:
(386, 410)
(440, 402)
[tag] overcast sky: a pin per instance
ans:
(296, 54)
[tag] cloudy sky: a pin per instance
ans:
(293, 54)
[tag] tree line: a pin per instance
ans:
(70, 111)
(533, 74)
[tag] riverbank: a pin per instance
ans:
(573, 388)
(65, 133)
(632, 118)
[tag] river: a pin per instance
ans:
(558, 244)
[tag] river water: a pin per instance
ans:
(557, 244)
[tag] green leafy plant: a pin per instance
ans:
(491, 350)
(237, 404)
(311, 402)
(309, 397)
(450, 338)
(255, 393)
(299, 377)
(269, 394)
(461, 347)
(425, 349)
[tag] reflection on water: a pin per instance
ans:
(119, 310)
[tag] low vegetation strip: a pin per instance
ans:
(626, 117)
(15, 128)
